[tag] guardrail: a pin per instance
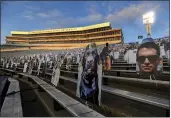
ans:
(159, 82)
(159, 102)
(126, 71)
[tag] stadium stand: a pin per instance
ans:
(123, 80)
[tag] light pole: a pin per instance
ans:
(148, 20)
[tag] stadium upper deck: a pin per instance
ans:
(66, 38)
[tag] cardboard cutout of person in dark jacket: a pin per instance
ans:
(106, 61)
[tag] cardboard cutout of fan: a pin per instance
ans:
(90, 76)
(56, 72)
(149, 61)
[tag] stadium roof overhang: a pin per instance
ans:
(106, 24)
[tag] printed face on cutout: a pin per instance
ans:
(148, 60)
(90, 60)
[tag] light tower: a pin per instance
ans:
(148, 20)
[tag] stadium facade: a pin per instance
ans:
(66, 38)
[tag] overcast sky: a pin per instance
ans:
(29, 15)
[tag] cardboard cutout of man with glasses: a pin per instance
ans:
(148, 59)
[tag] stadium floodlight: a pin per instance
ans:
(148, 19)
